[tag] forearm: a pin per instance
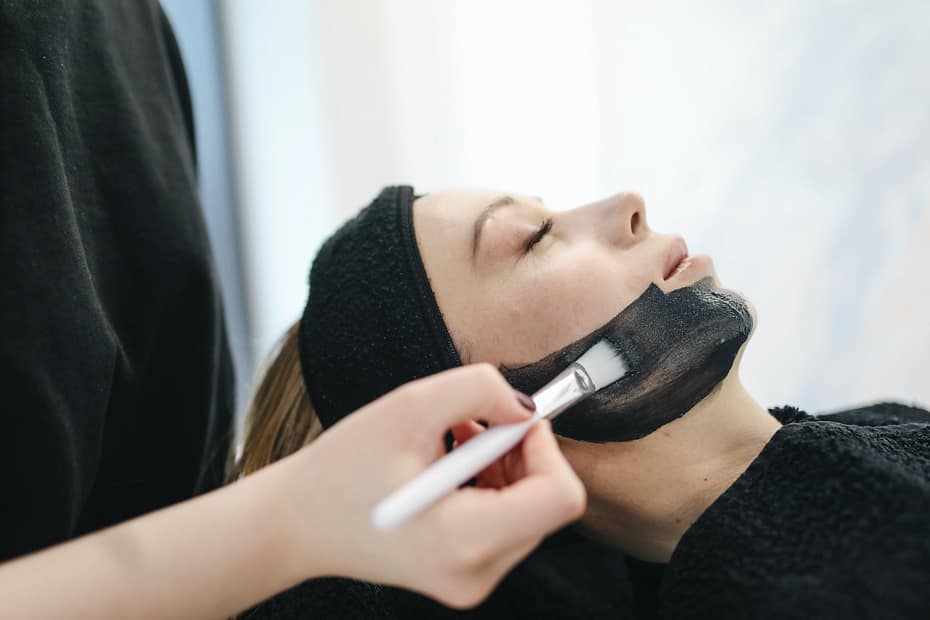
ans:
(309, 515)
(206, 558)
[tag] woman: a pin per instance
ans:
(728, 509)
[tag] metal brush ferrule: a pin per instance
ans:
(568, 387)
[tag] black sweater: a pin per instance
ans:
(831, 520)
(117, 382)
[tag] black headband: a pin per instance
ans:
(371, 322)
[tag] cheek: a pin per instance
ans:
(559, 300)
(588, 288)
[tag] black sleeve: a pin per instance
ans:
(830, 521)
(117, 394)
(568, 577)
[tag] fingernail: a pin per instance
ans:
(526, 401)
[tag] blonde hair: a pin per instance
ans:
(280, 418)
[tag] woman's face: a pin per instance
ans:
(528, 288)
(516, 281)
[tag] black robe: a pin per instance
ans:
(831, 520)
(117, 382)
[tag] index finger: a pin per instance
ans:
(472, 392)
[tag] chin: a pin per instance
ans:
(752, 308)
(704, 267)
(752, 311)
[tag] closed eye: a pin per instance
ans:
(538, 236)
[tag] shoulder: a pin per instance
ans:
(879, 414)
(839, 501)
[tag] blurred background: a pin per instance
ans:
(789, 140)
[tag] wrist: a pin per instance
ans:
(300, 519)
(283, 521)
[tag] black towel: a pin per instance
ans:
(371, 322)
(832, 520)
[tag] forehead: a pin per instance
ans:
(451, 213)
(447, 232)
(444, 221)
(455, 206)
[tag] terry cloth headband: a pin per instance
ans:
(371, 322)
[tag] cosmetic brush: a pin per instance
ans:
(597, 368)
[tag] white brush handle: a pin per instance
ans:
(448, 473)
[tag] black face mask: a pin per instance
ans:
(678, 347)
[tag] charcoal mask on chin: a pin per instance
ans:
(679, 346)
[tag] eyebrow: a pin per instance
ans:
(483, 217)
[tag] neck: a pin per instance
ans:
(644, 494)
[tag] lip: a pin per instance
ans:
(677, 254)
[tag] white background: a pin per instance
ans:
(791, 142)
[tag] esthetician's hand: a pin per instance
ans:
(458, 549)
(308, 516)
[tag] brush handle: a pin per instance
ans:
(448, 473)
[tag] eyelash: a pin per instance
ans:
(538, 235)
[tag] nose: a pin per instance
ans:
(631, 226)
(619, 220)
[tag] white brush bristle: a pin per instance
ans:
(603, 363)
